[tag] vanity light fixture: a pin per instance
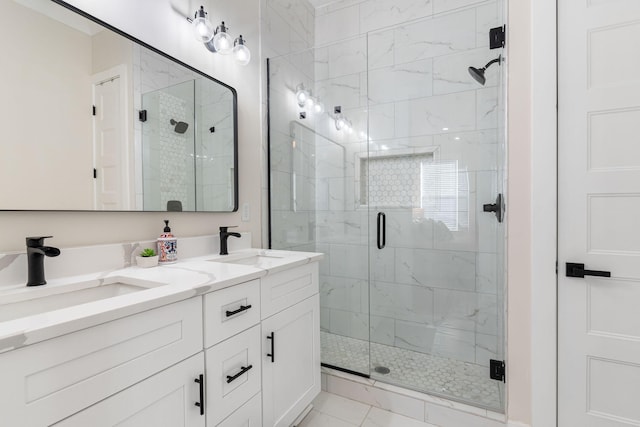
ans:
(305, 99)
(340, 121)
(218, 40)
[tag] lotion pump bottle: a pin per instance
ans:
(167, 246)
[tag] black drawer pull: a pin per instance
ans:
(272, 355)
(242, 371)
(240, 310)
(200, 404)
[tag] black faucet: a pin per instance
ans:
(35, 259)
(224, 235)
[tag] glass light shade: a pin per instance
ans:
(301, 95)
(319, 107)
(222, 41)
(202, 27)
(341, 122)
(241, 52)
(309, 103)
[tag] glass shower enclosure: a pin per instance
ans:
(391, 170)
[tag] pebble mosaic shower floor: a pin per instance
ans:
(461, 381)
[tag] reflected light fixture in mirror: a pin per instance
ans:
(219, 40)
(302, 95)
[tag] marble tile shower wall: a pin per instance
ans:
(288, 27)
(401, 78)
(152, 73)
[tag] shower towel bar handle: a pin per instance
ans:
(382, 230)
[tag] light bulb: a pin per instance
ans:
(241, 52)
(202, 27)
(222, 41)
(301, 95)
(309, 103)
(319, 107)
(340, 122)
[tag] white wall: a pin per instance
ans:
(37, 65)
(162, 24)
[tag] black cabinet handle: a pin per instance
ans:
(382, 230)
(243, 369)
(200, 404)
(577, 270)
(272, 355)
(240, 310)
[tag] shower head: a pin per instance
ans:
(180, 127)
(478, 73)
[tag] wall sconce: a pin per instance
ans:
(218, 40)
(341, 122)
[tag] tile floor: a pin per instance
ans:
(461, 381)
(330, 410)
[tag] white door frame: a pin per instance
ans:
(119, 71)
(544, 163)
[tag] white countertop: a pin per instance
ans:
(184, 279)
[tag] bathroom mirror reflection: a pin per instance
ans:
(96, 121)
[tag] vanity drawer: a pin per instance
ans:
(284, 289)
(228, 387)
(48, 381)
(231, 310)
(248, 415)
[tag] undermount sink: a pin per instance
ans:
(30, 301)
(253, 258)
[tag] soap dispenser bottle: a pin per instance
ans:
(167, 245)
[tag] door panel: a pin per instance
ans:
(599, 207)
(110, 192)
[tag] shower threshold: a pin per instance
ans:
(457, 380)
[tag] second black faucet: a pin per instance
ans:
(224, 236)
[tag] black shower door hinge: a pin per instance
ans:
(497, 37)
(142, 115)
(497, 370)
(94, 110)
(95, 173)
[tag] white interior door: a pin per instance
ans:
(599, 212)
(108, 146)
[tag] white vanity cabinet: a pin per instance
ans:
(291, 344)
(167, 399)
(49, 381)
(244, 355)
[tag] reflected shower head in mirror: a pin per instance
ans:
(180, 127)
(478, 73)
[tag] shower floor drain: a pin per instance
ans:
(382, 370)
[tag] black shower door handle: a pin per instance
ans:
(382, 230)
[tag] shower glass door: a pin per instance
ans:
(433, 162)
(389, 181)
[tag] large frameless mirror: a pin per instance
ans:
(96, 120)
